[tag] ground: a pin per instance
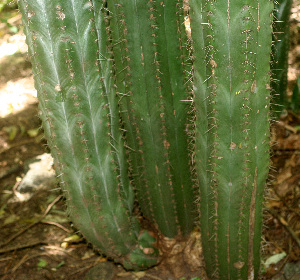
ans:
(37, 241)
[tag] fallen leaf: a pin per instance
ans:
(41, 264)
(274, 259)
(12, 131)
(60, 264)
(11, 219)
(33, 132)
(87, 255)
(139, 274)
(72, 238)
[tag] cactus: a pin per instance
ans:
(115, 90)
(280, 48)
(80, 117)
(149, 45)
(231, 44)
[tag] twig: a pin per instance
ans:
(24, 246)
(24, 259)
(81, 270)
(288, 127)
(6, 259)
(286, 258)
(153, 277)
(33, 224)
(56, 224)
(15, 187)
(285, 225)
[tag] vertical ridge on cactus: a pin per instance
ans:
(280, 48)
(232, 89)
(172, 50)
(105, 69)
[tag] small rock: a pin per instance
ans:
(40, 174)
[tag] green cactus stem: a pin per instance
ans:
(231, 50)
(280, 49)
(149, 46)
(79, 110)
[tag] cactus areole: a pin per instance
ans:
(144, 117)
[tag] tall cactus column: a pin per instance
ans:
(81, 122)
(149, 47)
(232, 44)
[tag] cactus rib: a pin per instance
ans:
(280, 48)
(154, 89)
(234, 38)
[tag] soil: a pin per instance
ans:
(37, 241)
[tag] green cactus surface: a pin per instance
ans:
(149, 46)
(231, 50)
(78, 105)
(280, 48)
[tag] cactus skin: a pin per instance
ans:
(231, 95)
(280, 48)
(152, 81)
(79, 113)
